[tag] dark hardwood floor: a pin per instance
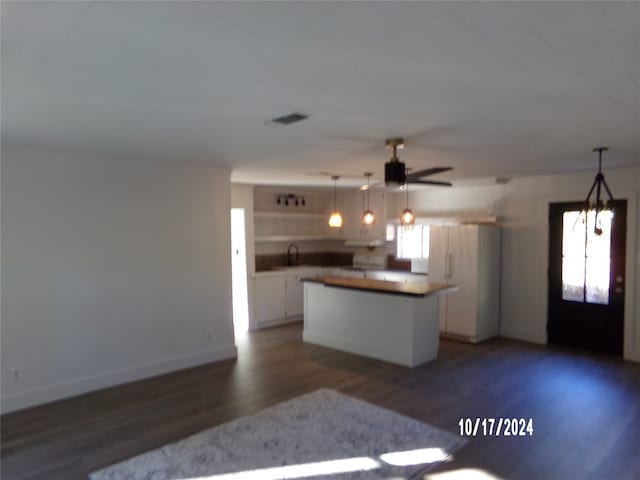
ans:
(585, 408)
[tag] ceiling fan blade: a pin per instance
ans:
(430, 182)
(427, 172)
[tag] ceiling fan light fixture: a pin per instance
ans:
(394, 169)
(395, 173)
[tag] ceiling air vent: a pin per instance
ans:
(289, 119)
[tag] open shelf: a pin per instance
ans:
(290, 215)
(294, 238)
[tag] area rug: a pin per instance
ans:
(321, 435)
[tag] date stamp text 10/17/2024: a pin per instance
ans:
(495, 427)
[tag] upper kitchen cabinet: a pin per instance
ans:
(467, 256)
(285, 216)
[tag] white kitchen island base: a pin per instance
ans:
(396, 327)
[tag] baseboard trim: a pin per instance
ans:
(525, 335)
(278, 322)
(78, 386)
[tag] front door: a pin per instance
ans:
(586, 276)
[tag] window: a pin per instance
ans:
(413, 242)
(586, 257)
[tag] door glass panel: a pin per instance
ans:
(598, 261)
(573, 230)
(586, 257)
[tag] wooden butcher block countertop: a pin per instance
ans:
(416, 289)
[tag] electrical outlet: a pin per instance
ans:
(15, 373)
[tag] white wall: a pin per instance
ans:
(523, 206)
(112, 270)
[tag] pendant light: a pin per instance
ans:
(598, 205)
(368, 218)
(407, 218)
(335, 220)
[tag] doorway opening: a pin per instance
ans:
(239, 273)
(586, 276)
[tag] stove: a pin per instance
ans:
(369, 262)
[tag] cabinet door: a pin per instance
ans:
(437, 273)
(269, 298)
(294, 296)
(463, 272)
(438, 250)
(352, 216)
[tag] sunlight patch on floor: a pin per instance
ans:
(462, 474)
(331, 467)
(356, 464)
(414, 457)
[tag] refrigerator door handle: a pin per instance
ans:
(446, 265)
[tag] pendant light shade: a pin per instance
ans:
(368, 218)
(407, 218)
(335, 220)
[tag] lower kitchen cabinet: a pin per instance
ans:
(279, 297)
(269, 295)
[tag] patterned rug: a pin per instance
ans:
(321, 435)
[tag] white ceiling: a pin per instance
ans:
(492, 89)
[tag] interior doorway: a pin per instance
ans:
(587, 276)
(239, 272)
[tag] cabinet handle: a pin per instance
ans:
(446, 265)
(448, 259)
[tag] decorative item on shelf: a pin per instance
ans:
(598, 205)
(407, 218)
(335, 220)
(286, 198)
(368, 218)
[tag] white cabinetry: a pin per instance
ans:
(467, 256)
(279, 296)
(269, 294)
(294, 296)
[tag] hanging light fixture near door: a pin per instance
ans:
(368, 218)
(598, 205)
(407, 218)
(335, 220)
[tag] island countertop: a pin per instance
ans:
(415, 289)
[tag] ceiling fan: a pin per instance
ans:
(396, 172)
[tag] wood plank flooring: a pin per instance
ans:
(585, 408)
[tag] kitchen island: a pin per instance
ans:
(392, 321)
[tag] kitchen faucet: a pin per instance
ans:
(291, 246)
